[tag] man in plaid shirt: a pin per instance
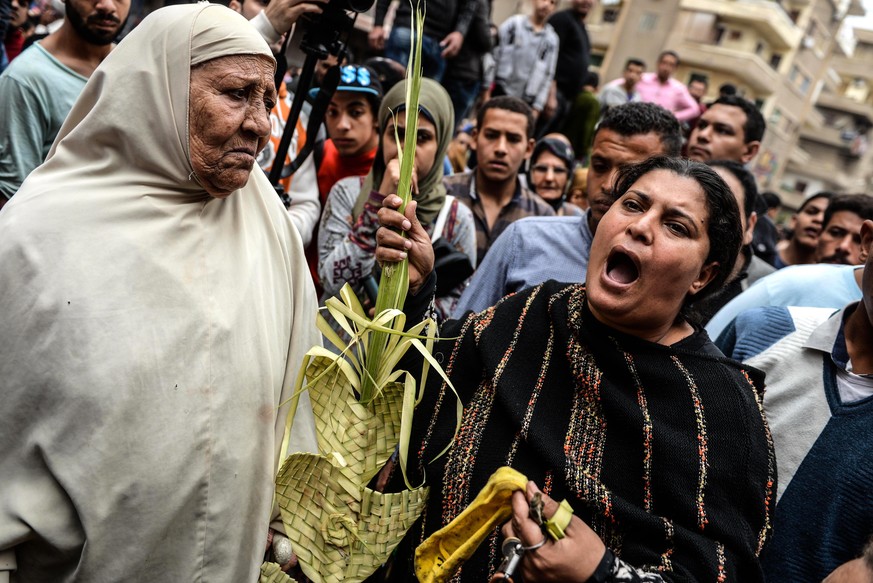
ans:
(502, 140)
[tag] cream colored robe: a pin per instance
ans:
(148, 334)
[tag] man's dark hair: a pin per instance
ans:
(591, 78)
(727, 89)
(505, 102)
(631, 119)
(809, 199)
(771, 199)
(723, 220)
(747, 181)
(753, 129)
(673, 54)
(635, 61)
(699, 79)
(860, 204)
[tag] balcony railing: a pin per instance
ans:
(767, 17)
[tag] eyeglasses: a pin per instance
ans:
(544, 168)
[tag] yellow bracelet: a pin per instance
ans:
(559, 521)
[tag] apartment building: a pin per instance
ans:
(786, 55)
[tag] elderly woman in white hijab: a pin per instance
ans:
(154, 307)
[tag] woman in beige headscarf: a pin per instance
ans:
(154, 308)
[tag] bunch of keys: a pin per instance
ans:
(512, 548)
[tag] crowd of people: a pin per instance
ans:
(625, 318)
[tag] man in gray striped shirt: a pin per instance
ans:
(526, 56)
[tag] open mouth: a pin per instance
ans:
(622, 268)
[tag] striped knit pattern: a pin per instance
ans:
(663, 451)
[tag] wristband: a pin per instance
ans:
(604, 570)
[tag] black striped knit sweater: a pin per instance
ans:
(663, 451)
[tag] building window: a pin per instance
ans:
(775, 61)
(759, 48)
(648, 22)
(804, 85)
(610, 14)
(719, 35)
(776, 116)
(735, 35)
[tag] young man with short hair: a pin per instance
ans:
(840, 239)
(526, 55)
(623, 90)
(352, 121)
(502, 140)
(660, 87)
(731, 129)
(534, 250)
(806, 223)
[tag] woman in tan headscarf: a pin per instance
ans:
(346, 239)
(154, 308)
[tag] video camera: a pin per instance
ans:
(324, 34)
(325, 31)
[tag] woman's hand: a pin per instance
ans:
(391, 178)
(573, 558)
(391, 247)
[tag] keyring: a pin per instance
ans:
(534, 547)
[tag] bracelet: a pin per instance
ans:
(604, 569)
(559, 521)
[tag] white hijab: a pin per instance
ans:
(148, 333)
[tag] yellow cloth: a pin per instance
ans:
(438, 557)
(148, 334)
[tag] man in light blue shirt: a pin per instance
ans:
(536, 249)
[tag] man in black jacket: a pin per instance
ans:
(573, 60)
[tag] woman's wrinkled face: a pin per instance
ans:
(425, 144)
(228, 119)
(649, 253)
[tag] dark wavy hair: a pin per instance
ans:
(723, 227)
(860, 204)
(637, 117)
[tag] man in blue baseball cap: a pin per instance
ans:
(352, 127)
